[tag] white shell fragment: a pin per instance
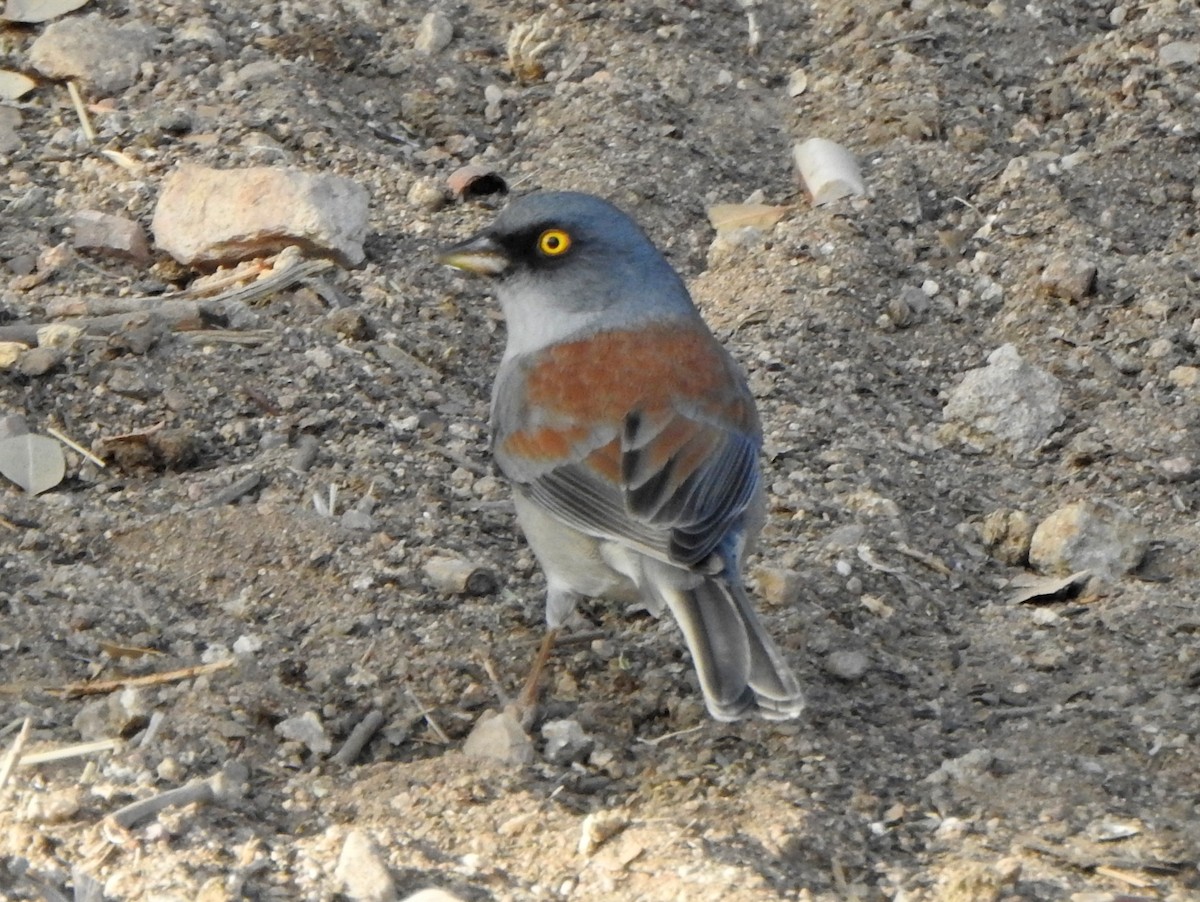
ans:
(797, 83)
(14, 85)
(829, 171)
(39, 10)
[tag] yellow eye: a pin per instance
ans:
(554, 242)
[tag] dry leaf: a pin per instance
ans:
(118, 650)
(727, 217)
(39, 10)
(1043, 588)
(34, 462)
(14, 85)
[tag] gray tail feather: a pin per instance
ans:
(740, 668)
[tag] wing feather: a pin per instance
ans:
(667, 465)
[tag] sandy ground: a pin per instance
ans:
(987, 750)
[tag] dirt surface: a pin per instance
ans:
(987, 750)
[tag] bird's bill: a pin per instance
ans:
(480, 254)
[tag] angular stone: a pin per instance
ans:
(362, 870)
(10, 123)
(1070, 277)
(565, 741)
(105, 56)
(208, 217)
(113, 236)
(1008, 401)
(500, 738)
(307, 729)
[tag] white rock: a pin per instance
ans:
(565, 741)
(435, 33)
(797, 83)
(212, 216)
(1008, 401)
(432, 895)
(362, 870)
(1089, 535)
(308, 729)
(247, 645)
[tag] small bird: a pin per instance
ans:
(630, 438)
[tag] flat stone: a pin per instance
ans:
(112, 236)
(1179, 54)
(207, 217)
(10, 123)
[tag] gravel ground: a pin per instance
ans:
(957, 745)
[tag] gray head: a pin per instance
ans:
(572, 253)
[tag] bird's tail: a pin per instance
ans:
(740, 668)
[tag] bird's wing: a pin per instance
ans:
(648, 437)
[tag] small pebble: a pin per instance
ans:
(307, 729)
(565, 741)
(847, 665)
(425, 194)
(434, 34)
(1069, 276)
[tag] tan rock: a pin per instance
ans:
(208, 217)
(1089, 535)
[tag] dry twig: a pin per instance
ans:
(85, 121)
(65, 753)
(433, 724)
(358, 738)
(101, 687)
(75, 446)
(14, 753)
